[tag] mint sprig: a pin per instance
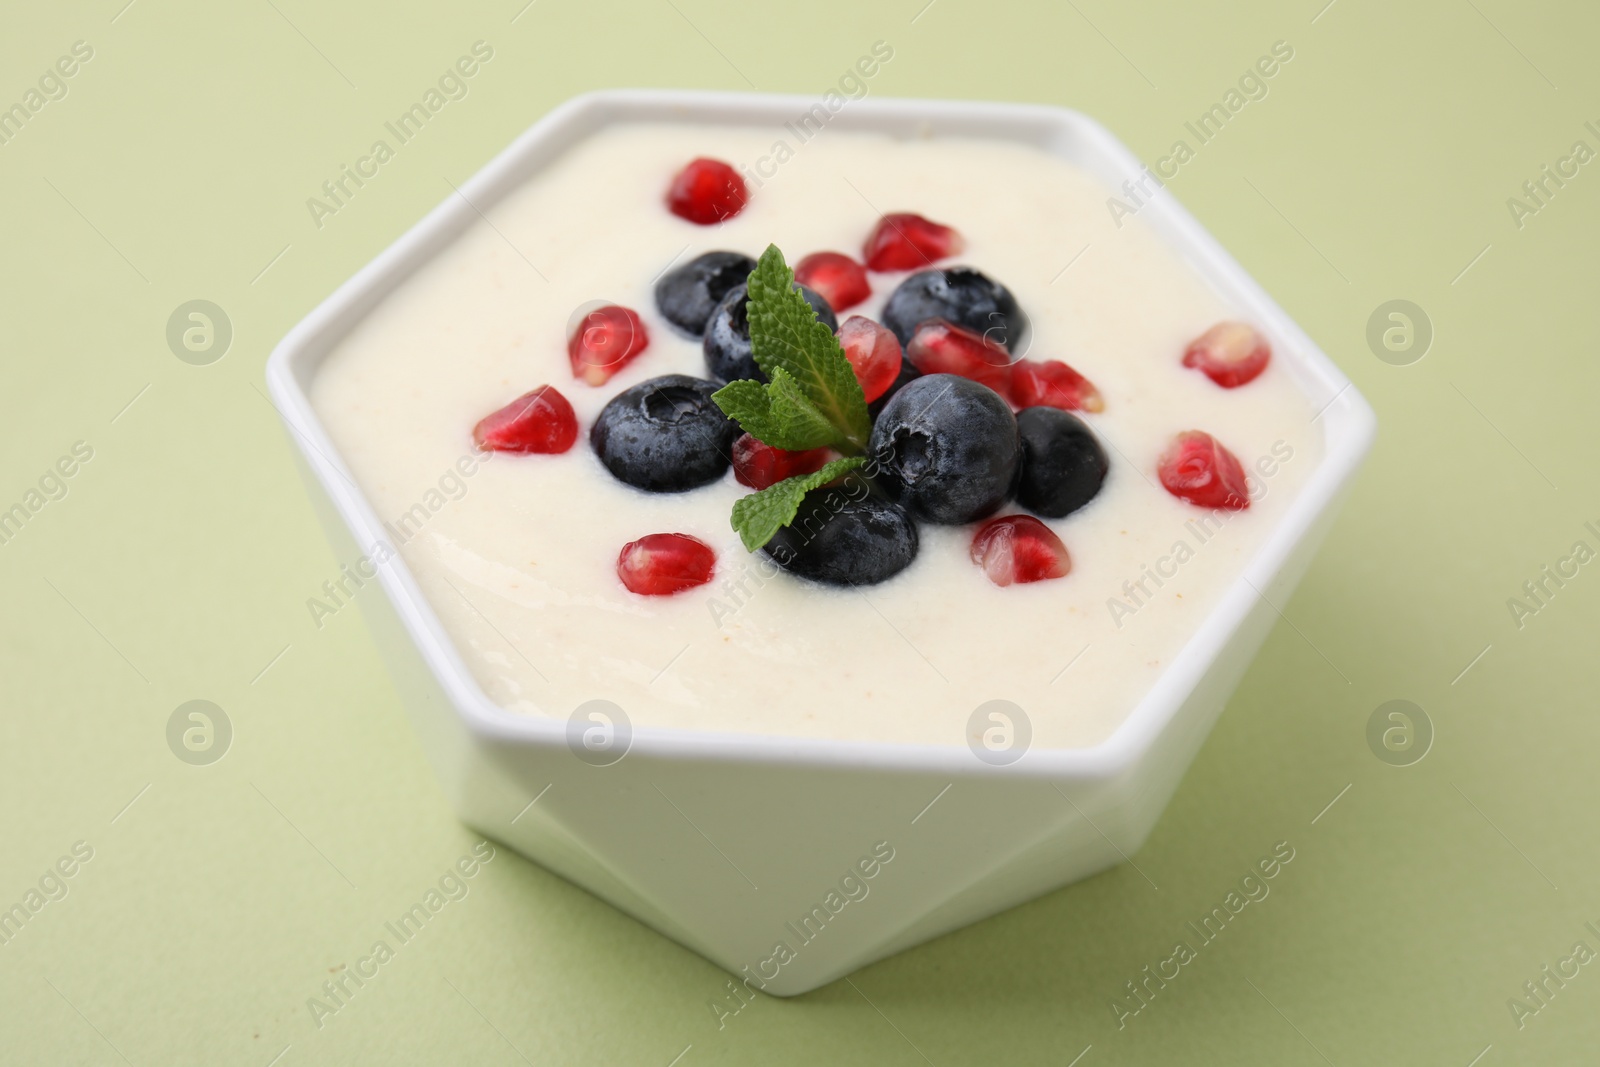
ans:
(759, 516)
(812, 399)
(786, 336)
(780, 414)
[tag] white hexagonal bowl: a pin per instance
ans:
(726, 842)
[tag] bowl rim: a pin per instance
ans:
(1349, 427)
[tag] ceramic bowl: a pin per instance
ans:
(793, 862)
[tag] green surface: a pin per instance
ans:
(178, 563)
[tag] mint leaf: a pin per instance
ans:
(812, 399)
(758, 517)
(779, 414)
(786, 336)
(800, 417)
(747, 402)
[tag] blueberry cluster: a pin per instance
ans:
(944, 449)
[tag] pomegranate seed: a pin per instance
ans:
(1195, 467)
(540, 421)
(758, 465)
(665, 563)
(942, 347)
(1051, 383)
(1019, 548)
(604, 342)
(873, 352)
(1230, 354)
(707, 191)
(841, 280)
(903, 241)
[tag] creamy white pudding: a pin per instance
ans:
(519, 557)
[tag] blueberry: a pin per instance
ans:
(946, 448)
(1063, 466)
(844, 535)
(727, 337)
(665, 435)
(687, 295)
(961, 295)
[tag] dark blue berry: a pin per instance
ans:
(727, 337)
(1063, 466)
(946, 448)
(665, 435)
(844, 535)
(687, 295)
(963, 296)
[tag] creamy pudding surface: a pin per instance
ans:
(519, 557)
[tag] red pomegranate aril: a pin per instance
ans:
(841, 280)
(665, 563)
(605, 341)
(707, 191)
(1195, 467)
(1051, 383)
(1230, 354)
(903, 241)
(941, 347)
(1019, 548)
(759, 465)
(873, 352)
(538, 421)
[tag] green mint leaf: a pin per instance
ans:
(800, 418)
(778, 414)
(785, 335)
(746, 402)
(759, 516)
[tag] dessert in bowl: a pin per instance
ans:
(522, 569)
(992, 499)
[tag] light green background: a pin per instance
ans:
(178, 566)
